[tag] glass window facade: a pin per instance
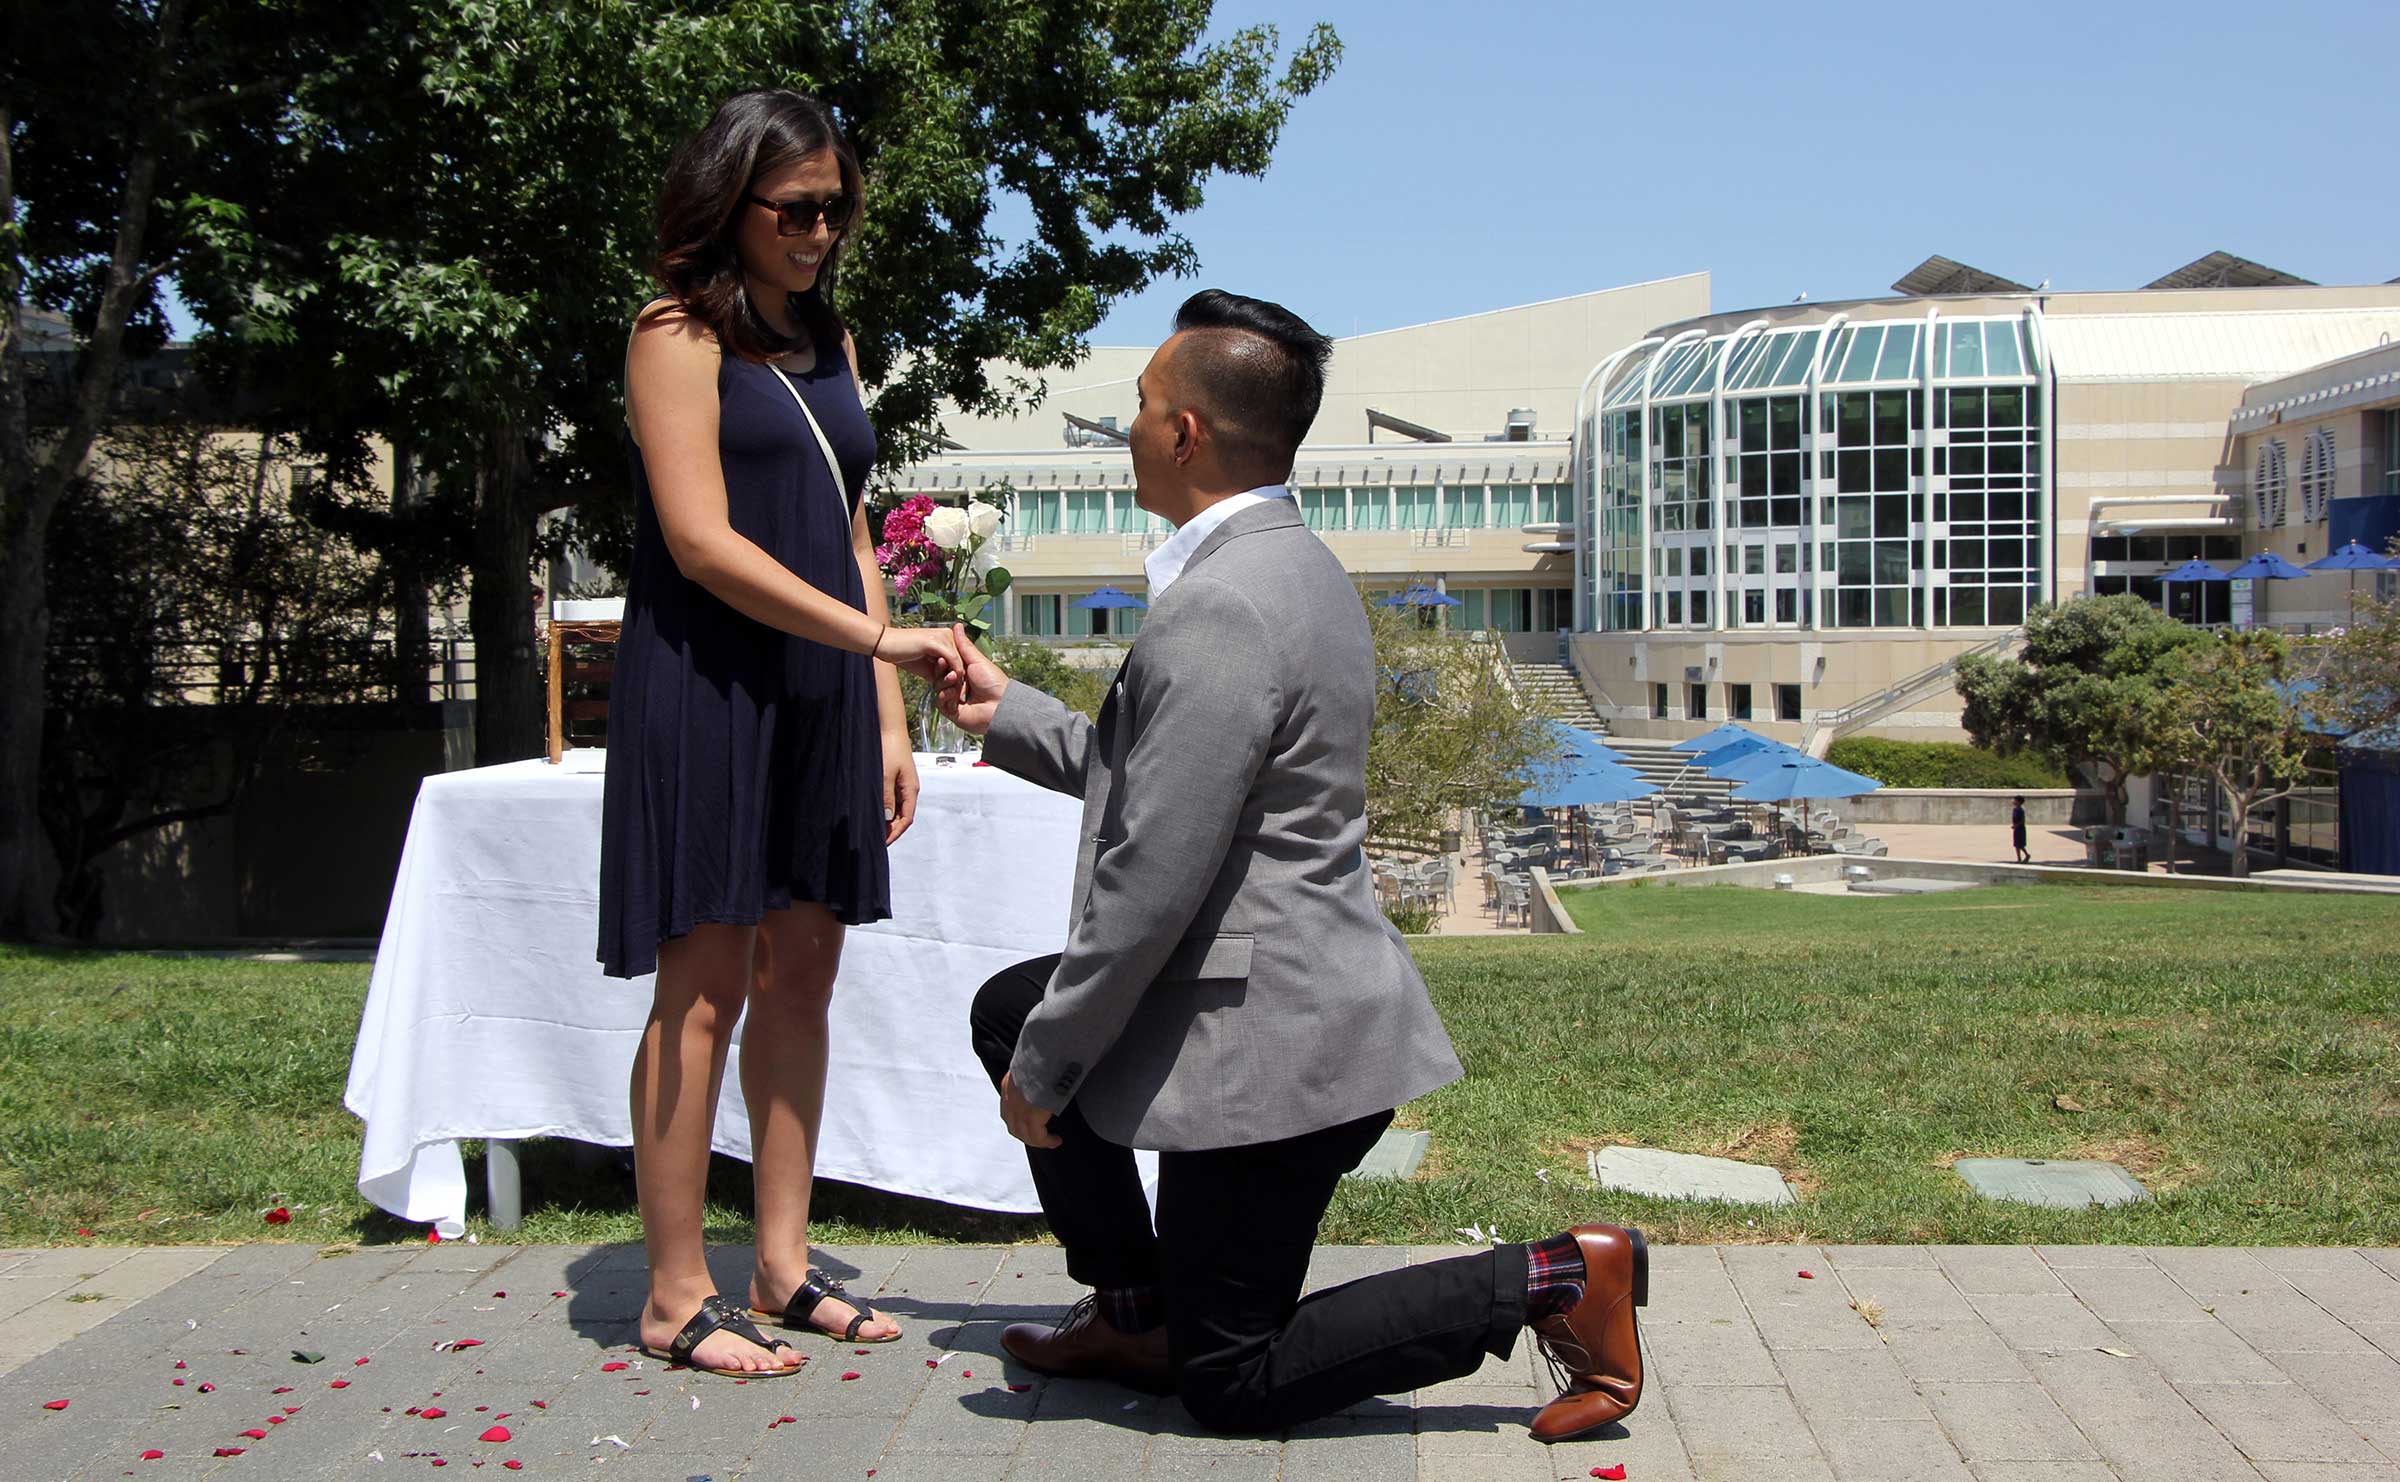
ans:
(1906, 492)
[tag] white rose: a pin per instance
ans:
(983, 521)
(985, 560)
(947, 528)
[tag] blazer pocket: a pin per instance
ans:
(1197, 958)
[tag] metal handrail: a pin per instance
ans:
(1831, 723)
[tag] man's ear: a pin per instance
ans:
(1188, 435)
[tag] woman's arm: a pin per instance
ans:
(671, 389)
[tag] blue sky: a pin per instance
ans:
(1467, 157)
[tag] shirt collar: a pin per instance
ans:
(1174, 553)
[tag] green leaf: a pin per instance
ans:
(996, 580)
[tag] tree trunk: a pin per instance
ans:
(500, 602)
(2238, 852)
(25, 861)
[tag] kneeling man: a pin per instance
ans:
(1230, 994)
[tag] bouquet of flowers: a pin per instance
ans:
(942, 564)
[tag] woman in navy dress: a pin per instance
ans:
(758, 755)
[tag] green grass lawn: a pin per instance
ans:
(2240, 1053)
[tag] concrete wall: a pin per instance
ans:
(1820, 868)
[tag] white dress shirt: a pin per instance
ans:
(1166, 563)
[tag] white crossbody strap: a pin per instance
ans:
(841, 485)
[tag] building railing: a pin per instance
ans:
(1442, 539)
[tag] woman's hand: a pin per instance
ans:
(899, 785)
(925, 652)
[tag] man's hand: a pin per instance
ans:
(971, 706)
(1027, 1123)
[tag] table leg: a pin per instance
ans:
(503, 1186)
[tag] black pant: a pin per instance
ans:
(1235, 1230)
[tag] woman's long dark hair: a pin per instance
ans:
(751, 134)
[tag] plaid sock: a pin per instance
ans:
(1554, 1273)
(1131, 1309)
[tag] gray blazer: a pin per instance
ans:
(1228, 978)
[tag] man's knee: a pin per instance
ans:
(1000, 1010)
(1217, 1400)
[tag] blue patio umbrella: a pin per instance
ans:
(1574, 782)
(1724, 735)
(2351, 557)
(1419, 596)
(1744, 758)
(1584, 743)
(1108, 597)
(2195, 571)
(2266, 566)
(1805, 778)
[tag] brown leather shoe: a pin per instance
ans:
(1594, 1347)
(1086, 1347)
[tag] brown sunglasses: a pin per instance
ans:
(798, 217)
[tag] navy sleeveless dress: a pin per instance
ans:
(745, 766)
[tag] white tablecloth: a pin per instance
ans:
(488, 1016)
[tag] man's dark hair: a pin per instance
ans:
(1257, 372)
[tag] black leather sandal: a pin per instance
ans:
(716, 1314)
(820, 1288)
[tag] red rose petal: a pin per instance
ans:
(280, 1389)
(496, 1433)
(613, 1365)
(541, 1404)
(275, 1419)
(254, 1433)
(1018, 1389)
(208, 1389)
(862, 1353)
(432, 1412)
(499, 1294)
(180, 1364)
(503, 1415)
(154, 1454)
(291, 1409)
(437, 1461)
(558, 1294)
(179, 1383)
(279, 1216)
(467, 1343)
(54, 1404)
(853, 1374)
(641, 1391)
(433, 1237)
(787, 1420)
(354, 1363)
(514, 1466)
(1610, 1474)
(1808, 1276)
(229, 1451)
(86, 1234)
(968, 1374)
(339, 1384)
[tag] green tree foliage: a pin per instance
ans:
(2358, 669)
(1940, 764)
(2227, 715)
(2088, 690)
(1450, 731)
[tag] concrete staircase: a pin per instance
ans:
(1670, 770)
(1556, 688)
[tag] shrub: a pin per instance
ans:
(1413, 921)
(1939, 764)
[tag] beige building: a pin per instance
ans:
(1441, 457)
(1800, 517)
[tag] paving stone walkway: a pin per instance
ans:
(1915, 1364)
